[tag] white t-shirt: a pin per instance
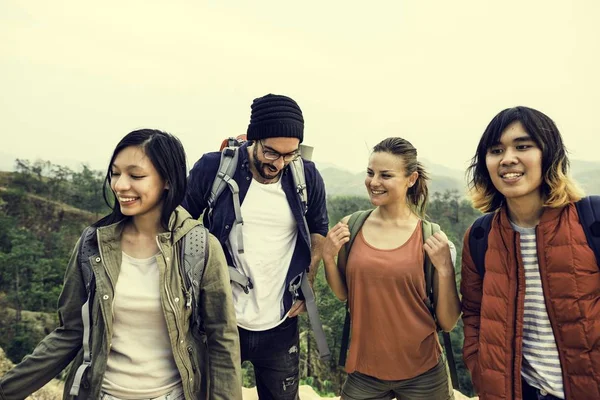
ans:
(140, 362)
(269, 233)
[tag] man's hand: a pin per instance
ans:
(297, 308)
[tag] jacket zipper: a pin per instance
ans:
(549, 310)
(177, 323)
(516, 374)
(107, 318)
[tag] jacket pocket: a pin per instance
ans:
(196, 370)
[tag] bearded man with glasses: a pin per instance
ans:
(279, 240)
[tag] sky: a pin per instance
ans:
(75, 76)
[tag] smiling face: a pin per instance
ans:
(270, 170)
(515, 165)
(137, 185)
(386, 179)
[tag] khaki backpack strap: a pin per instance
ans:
(429, 228)
(355, 222)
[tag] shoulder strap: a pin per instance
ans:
(227, 166)
(345, 338)
(88, 249)
(450, 357)
(297, 169)
(193, 259)
(355, 222)
(478, 241)
(429, 228)
(588, 209)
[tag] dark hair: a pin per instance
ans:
(417, 194)
(166, 153)
(557, 188)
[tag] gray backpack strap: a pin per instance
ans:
(300, 282)
(193, 259)
(224, 177)
(88, 250)
(236, 276)
(227, 167)
(297, 169)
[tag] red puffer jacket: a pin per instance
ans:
(493, 317)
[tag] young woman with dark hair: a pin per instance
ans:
(142, 342)
(532, 321)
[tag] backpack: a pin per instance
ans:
(227, 167)
(355, 223)
(193, 249)
(230, 149)
(588, 210)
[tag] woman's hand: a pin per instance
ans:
(438, 250)
(337, 236)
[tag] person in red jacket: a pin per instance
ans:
(532, 316)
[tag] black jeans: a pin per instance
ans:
(275, 356)
(533, 393)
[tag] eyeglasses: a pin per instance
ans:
(273, 155)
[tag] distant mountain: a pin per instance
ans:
(339, 182)
(440, 170)
(7, 162)
(587, 174)
(580, 166)
(589, 181)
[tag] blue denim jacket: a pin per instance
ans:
(223, 216)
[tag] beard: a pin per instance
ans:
(262, 167)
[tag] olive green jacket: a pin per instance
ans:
(208, 362)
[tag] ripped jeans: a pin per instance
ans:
(274, 353)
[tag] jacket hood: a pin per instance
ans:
(180, 223)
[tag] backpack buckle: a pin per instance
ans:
(248, 286)
(294, 286)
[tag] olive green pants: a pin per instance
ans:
(430, 385)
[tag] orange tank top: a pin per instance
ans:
(393, 333)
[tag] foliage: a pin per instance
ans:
(37, 235)
(38, 231)
(341, 206)
(82, 189)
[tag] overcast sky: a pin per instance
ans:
(76, 76)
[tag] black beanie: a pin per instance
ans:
(274, 115)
